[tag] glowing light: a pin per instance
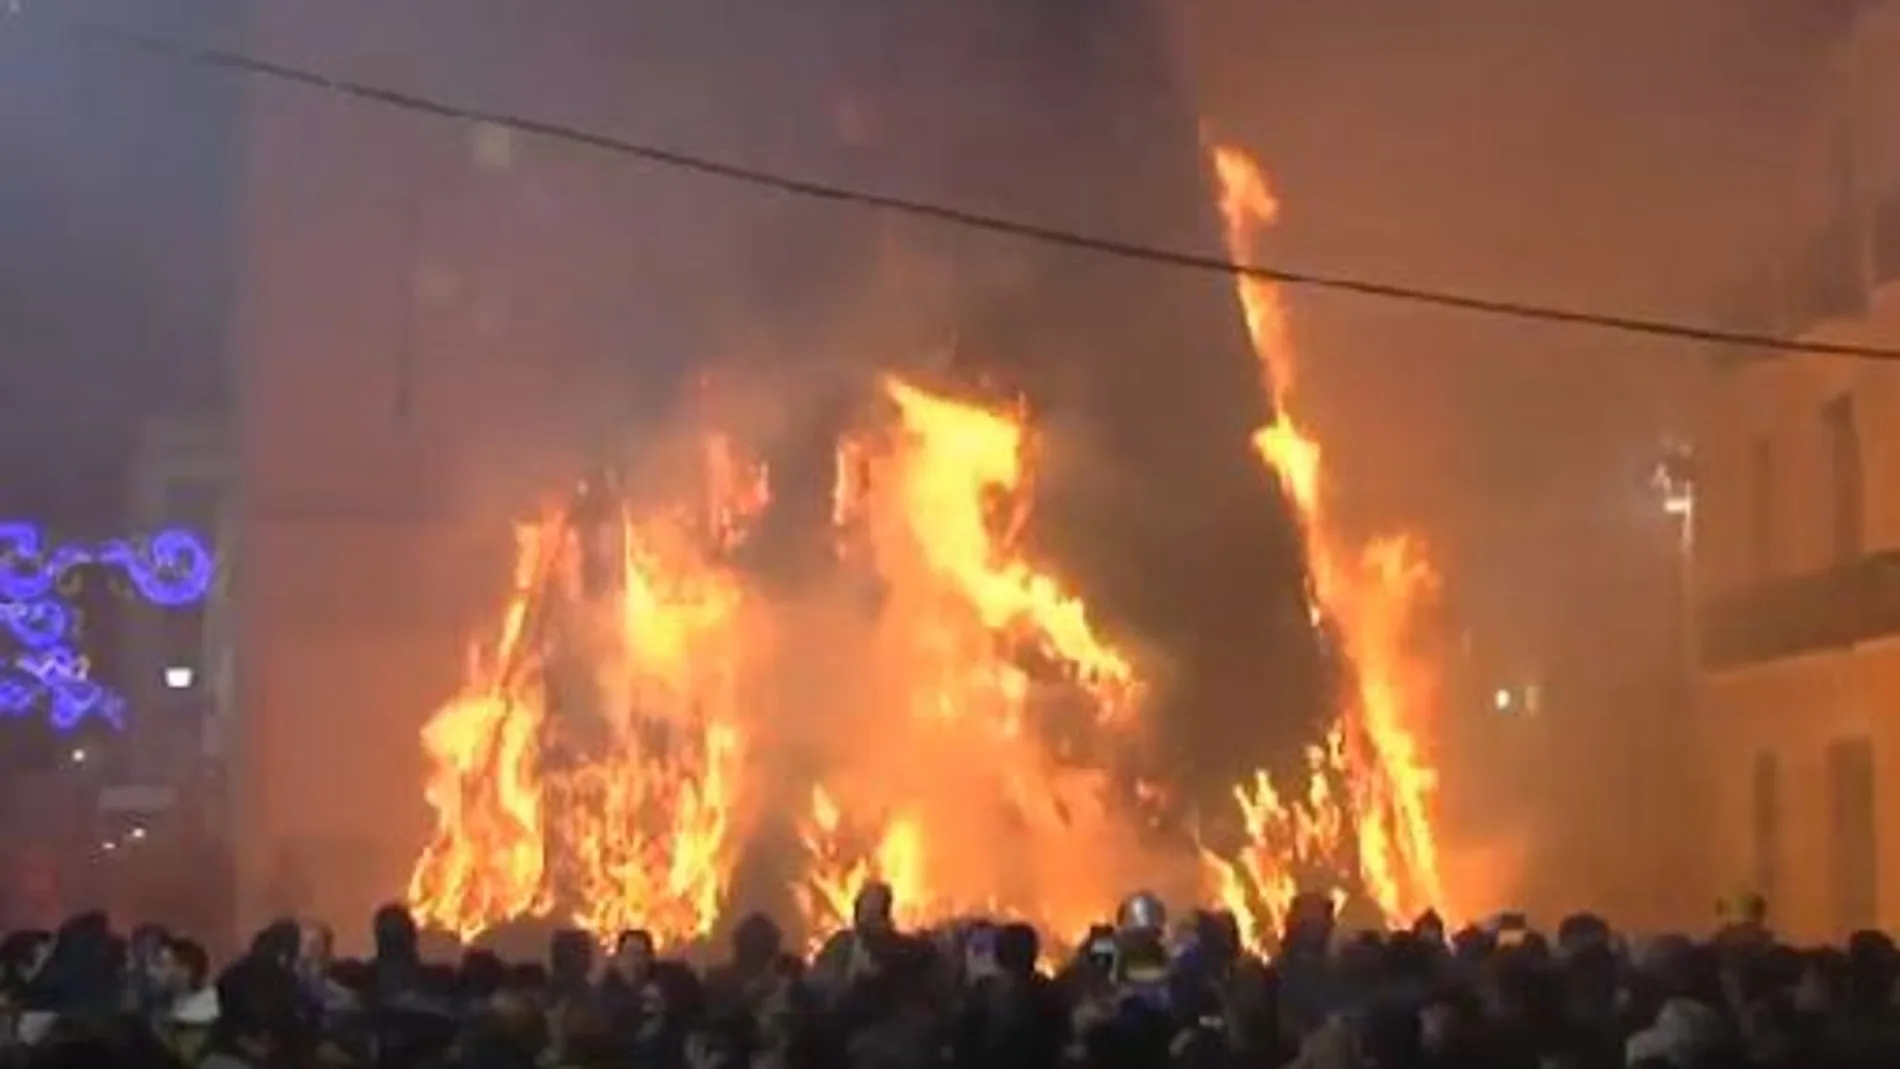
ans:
(171, 569)
(1502, 700)
(1674, 482)
(37, 625)
(178, 677)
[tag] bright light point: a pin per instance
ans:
(137, 833)
(178, 677)
(1502, 699)
(79, 757)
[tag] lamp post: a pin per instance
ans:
(1675, 484)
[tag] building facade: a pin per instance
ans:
(1797, 557)
(437, 322)
(176, 681)
(159, 788)
(431, 315)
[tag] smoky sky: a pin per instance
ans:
(115, 249)
(1611, 154)
(1619, 155)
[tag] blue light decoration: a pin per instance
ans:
(171, 569)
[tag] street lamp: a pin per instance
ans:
(1674, 482)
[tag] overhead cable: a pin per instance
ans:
(958, 217)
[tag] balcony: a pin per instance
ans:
(1830, 610)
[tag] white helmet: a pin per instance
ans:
(1142, 911)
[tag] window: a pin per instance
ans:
(1845, 483)
(1761, 509)
(1852, 834)
(1766, 802)
(1886, 237)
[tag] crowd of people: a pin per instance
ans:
(1137, 993)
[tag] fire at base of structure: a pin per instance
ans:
(604, 764)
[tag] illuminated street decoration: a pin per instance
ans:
(171, 569)
(38, 577)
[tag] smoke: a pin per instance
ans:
(570, 307)
(1613, 154)
(1618, 156)
(863, 671)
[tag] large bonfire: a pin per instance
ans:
(596, 768)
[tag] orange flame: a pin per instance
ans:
(1370, 598)
(838, 872)
(983, 654)
(589, 768)
(965, 460)
(593, 766)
